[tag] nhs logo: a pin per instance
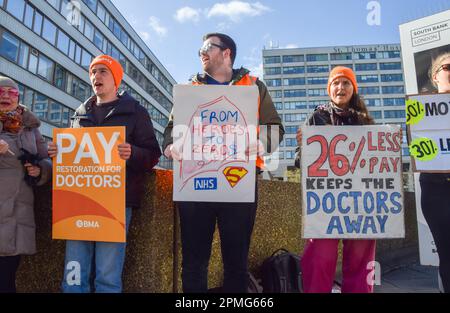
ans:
(205, 183)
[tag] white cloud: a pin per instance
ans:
(257, 71)
(290, 46)
(235, 10)
(186, 14)
(155, 24)
(145, 36)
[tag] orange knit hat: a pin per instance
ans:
(111, 63)
(342, 71)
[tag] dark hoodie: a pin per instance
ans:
(145, 151)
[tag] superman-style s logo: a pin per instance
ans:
(234, 174)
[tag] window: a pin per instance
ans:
(295, 93)
(291, 129)
(101, 12)
(375, 114)
(49, 31)
(293, 81)
(273, 82)
(367, 78)
(86, 59)
(278, 106)
(392, 89)
(290, 155)
(55, 3)
(28, 98)
(405, 152)
(295, 105)
(366, 67)
(369, 90)
(293, 58)
(89, 30)
(45, 68)
(391, 66)
(272, 60)
(60, 77)
(1, 3)
(344, 65)
(290, 142)
(340, 56)
(41, 106)
(394, 101)
(372, 102)
(92, 4)
(23, 55)
(16, 8)
(72, 49)
(272, 71)
(33, 61)
(77, 54)
(391, 77)
(394, 114)
(9, 46)
(316, 57)
(275, 93)
(317, 92)
(364, 55)
(388, 54)
(317, 80)
(28, 20)
(316, 103)
(55, 112)
(295, 117)
(294, 70)
(98, 40)
(63, 42)
(317, 69)
(37, 23)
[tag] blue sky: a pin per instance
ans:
(173, 28)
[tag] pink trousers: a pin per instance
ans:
(319, 265)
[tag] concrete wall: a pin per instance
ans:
(153, 262)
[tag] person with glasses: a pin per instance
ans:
(346, 107)
(435, 194)
(19, 136)
(235, 220)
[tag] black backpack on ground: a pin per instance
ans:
(281, 273)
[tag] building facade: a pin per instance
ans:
(46, 46)
(297, 81)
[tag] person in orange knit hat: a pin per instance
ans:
(320, 255)
(104, 261)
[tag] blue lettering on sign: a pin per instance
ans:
(205, 183)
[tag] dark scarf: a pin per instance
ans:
(12, 120)
(340, 116)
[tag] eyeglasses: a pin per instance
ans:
(207, 47)
(443, 67)
(11, 92)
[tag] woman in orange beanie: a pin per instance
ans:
(320, 255)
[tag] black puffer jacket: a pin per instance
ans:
(145, 151)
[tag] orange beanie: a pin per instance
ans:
(342, 71)
(114, 66)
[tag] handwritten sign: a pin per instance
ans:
(214, 128)
(351, 182)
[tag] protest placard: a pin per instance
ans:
(351, 182)
(89, 185)
(214, 128)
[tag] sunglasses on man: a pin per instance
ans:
(207, 47)
(10, 91)
(443, 67)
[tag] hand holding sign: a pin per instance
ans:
(124, 151)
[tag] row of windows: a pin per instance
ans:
(384, 90)
(333, 57)
(108, 48)
(122, 35)
(324, 80)
(95, 36)
(361, 67)
(37, 63)
(43, 27)
(372, 90)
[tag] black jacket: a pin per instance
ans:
(145, 151)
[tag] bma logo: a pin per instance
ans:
(205, 183)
